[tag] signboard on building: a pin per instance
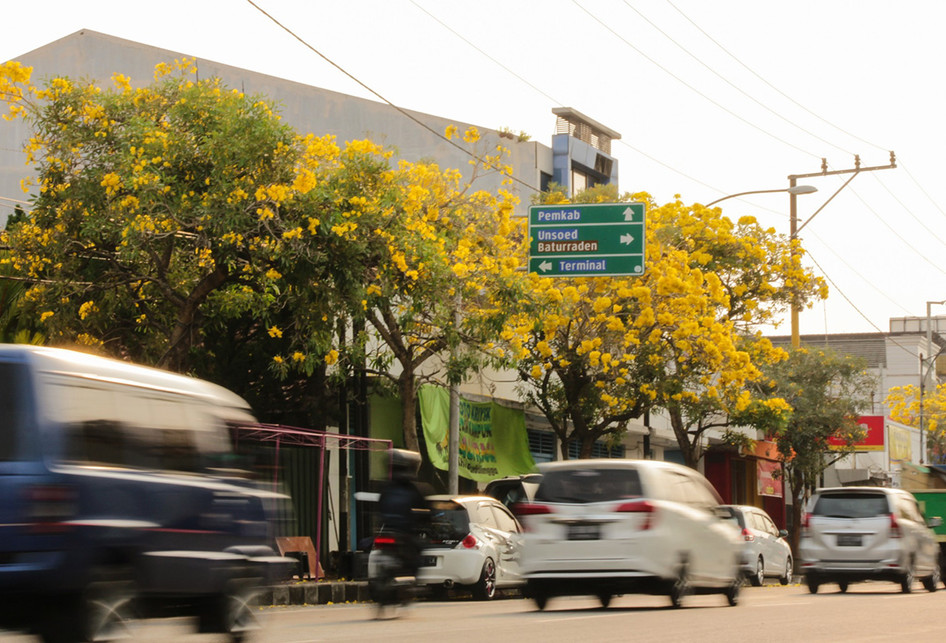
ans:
(901, 444)
(587, 240)
(769, 475)
(873, 426)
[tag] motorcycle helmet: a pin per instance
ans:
(404, 463)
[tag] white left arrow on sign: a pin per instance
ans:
(545, 265)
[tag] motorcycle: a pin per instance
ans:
(392, 572)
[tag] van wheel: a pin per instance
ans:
(232, 614)
(680, 588)
(842, 585)
(102, 612)
(605, 599)
(732, 593)
(485, 588)
(906, 582)
(931, 582)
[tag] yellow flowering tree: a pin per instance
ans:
(904, 405)
(430, 267)
(598, 352)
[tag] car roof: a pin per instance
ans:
(885, 490)
(610, 463)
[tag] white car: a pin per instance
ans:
(610, 527)
(852, 534)
(767, 553)
(472, 542)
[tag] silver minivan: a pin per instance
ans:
(852, 534)
(610, 527)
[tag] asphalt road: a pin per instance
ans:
(867, 612)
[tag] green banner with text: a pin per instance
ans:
(493, 439)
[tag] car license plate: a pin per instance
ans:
(428, 561)
(849, 540)
(584, 531)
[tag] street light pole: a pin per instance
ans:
(793, 231)
(795, 228)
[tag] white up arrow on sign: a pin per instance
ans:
(628, 214)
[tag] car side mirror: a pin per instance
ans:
(935, 521)
(783, 533)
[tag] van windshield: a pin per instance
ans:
(851, 505)
(589, 485)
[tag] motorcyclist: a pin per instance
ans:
(403, 507)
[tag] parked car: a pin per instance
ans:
(766, 553)
(852, 534)
(514, 489)
(110, 504)
(610, 527)
(472, 542)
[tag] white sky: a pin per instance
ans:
(711, 98)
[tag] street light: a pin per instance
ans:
(792, 190)
(925, 371)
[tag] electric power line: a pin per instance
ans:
(401, 111)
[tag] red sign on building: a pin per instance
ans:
(873, 425)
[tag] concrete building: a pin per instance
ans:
(579, 155)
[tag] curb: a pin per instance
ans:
(315, 593)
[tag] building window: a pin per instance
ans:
(598, 450)
(541, 445)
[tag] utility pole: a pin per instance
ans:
(794, 228)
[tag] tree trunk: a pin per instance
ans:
(690, 449)
(175, 358)
(407, 389)
(797, 489)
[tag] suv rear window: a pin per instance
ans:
(589, 485)
(851, 505)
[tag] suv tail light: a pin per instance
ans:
(805, 522)
(49, 506)
(530, 509)
(747, 535)
(894, 527)
(640, 506)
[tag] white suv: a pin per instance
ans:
(853, 534)
(611, 527)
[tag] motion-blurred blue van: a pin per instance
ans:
(113, 499)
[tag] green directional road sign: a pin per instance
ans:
(587, 240)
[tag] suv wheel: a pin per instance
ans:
(812, 583)
(759, 577)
